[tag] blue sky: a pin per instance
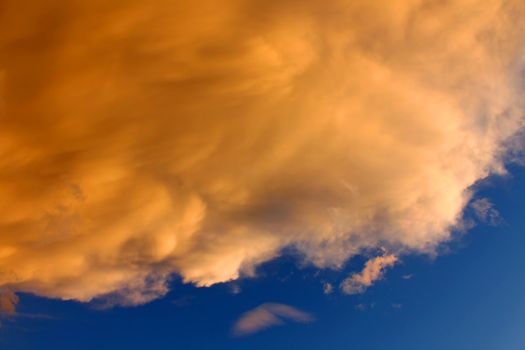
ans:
(469, 298)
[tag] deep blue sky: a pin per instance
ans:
(472, 297)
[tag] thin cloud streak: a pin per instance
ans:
(268, 315)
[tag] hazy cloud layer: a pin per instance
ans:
(374, 268)
(142, 139)
(268, 315)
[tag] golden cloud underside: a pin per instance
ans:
(142, 139)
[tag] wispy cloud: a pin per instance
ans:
(268, 315)
(328, 288)
(183, 301)
(364, 306)
(235, 288)
(485, 211)
(357, 283)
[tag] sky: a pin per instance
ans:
(254, 174)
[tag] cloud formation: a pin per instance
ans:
(374, 268)
(328, 288)
(144, 139)
(8, 302)
(485, 211)
(268, 315)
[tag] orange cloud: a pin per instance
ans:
(8, 302)
(374, 268)
(140, 140)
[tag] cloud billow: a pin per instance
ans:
(141, 140)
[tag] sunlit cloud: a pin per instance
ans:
(141, 140)
(374, 269)
(8, 302)
(268, 315)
